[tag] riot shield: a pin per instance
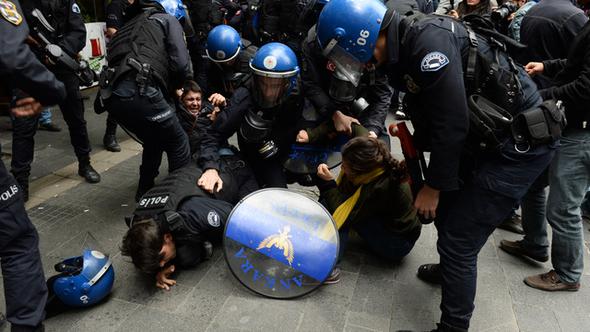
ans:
(280, 244)
(305, 158)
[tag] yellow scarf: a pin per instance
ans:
(344, 209)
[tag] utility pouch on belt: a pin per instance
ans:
(106, 89)
(540, 125)
(488, 121)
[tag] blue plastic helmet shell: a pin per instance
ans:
(223, 43)
(173, 7)
(275, 60)
(92, 284)
(353, 24)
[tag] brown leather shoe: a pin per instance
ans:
(512, 224)
(550, 282)
(515, 248)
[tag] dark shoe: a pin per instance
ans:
(516, 248)
(88, 173)
(512, 224)
(430, 273)
(550, 282)
(110, 143)
(49, 127)
(334, 277)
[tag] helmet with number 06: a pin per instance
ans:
(347, 32)
(275, 71)
(83, 280)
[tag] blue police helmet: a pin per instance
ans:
(84, 280)
(353, 25)
(274, 60)
(174, 7)
(223, 43)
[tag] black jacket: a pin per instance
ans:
(429, 67)
(572, 79)
(548, 30)
(20, 69)
(316, 78)
(65, 17)
(228, 122)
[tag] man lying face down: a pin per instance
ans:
(175, 222)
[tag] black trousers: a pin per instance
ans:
(24, 130)
(152, 120)
(111, 128)
(25, 290)
(466, 218)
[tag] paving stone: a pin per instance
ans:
(345, 287)
(373, 294)
(354, 328)
(573, 320)
(256, 315)
(535, 318)
(148, 319)
(367, 321)
(324, 311)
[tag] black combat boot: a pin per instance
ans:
(86, 171)
(110, 143)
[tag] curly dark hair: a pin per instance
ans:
(143, 243)
(364, 154)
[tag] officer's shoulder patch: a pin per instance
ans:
(434, 61)
(213, 219)
(76, 8)
(10, 12)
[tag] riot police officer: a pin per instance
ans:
(148, 59)
(263, 113)
(115, 19)
(175, 220)
(230, 56)
(472, 182)
(25, 290)
(67, 31)
(336, 96)
(201, 16)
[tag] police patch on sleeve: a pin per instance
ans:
(213, 219)
(10, 13)
(76, 8)
(434, 61)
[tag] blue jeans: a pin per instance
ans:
(45, 116)
(569, 178)
(534, 222)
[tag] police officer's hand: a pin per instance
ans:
(534, 68)
(210, 181)
(372, 134)
(302, 137)
(162, 280)
(427, 201)
(26, 107)
(213, 115)
(217, 100)
(343, 123)
(324, 173)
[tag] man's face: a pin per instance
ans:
(168, 250)
(192, 102)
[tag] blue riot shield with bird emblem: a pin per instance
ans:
(280, 243)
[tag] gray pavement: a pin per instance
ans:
(372, 295)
